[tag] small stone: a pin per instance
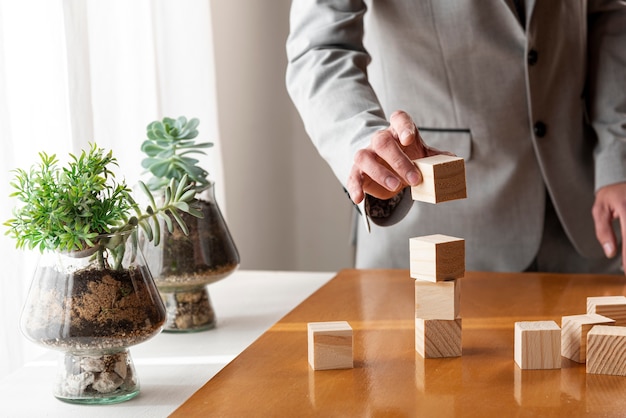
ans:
(189, 297)
(92, 364)
(76, 384)
(107, 382)
(184, 321)
(120, 367)
(202, 318)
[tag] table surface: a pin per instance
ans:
(272, 376)
(171, 367)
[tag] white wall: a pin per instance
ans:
(284, 207)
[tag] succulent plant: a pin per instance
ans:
(168, 148)
(75, 207)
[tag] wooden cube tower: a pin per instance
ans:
(606, 350)
(443, 179)
(437, 257)
(613, 307)
(437, 262)
(330, 345)
(574, 330)
(537, 345)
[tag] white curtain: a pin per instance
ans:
(79, 71)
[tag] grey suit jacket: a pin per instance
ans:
(530, 109)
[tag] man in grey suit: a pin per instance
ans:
(531, 94)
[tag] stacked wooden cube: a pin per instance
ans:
(437, 263)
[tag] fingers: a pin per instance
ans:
(386, 166)
(602, 218)
(403, 127)
(371, 175)
(610, 204)
(384, 158)
(354, 185)
(360, 183)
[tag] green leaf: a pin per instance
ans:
(157, 232)
(180, 221)
(147, 192)
(188, 196)
(147, 229)
(194, 212)
(168, 221)
(183, 206)
(160, 168)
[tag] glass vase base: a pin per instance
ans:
(188, 311)
(109, 400)
(96, 379)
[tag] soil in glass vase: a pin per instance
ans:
(183, 265)
(92, 306)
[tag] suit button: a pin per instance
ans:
(532, 57)
(540, 129)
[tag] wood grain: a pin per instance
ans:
(613, 307)
(606, 350)
(440, 300)
(438, 338)
(537, 345)
(443, 179)
(330, 345)
(574, 329)
(437, 257)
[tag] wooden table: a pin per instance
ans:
(272, 376)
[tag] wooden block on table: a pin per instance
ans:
(437, 338)
(330, 345)
(443, 179)
(606, 350)
(537, 345)
(437, 257)
(613, 307)
(440, 300)
(574, 329)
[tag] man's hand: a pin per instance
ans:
(386, 166)
(610, 204)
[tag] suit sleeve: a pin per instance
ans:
(607, 89)
(327, 79)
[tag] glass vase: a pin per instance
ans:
(183, 265)
(91, 306)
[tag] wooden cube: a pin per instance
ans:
(606, 350)
(574, 329)
(437, 257)
(443, 179)
(440, 300)
(330, 345)
(613, 307)
(537, 345)
(436, 338)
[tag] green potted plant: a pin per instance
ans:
(184, 264)
(92, 295)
